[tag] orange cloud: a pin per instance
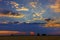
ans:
(56, 6)
(12, 16)
(54, 23)
(9, 32)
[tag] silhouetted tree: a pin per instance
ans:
(12, 35)
(38, 34)
(43, 34)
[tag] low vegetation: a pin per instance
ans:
(29, 37)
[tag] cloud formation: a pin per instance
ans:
(55, 23)
(9, 32)
(56, 6)
(16, 6)
(12, 15)
(22, 9)
(38, 16)
(33, 4)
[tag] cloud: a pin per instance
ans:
(33, 4)
(12, 15)
(54, 24)
(38, 18)
(14, 4)
(9, 32)
(56, 6)
(22, 9)
(36, 14)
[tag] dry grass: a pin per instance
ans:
(29, 37)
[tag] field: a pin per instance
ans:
(29, 37)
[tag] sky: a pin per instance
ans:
(29, 10)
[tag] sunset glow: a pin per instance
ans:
(29, 16)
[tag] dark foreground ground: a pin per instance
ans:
(29, 37)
